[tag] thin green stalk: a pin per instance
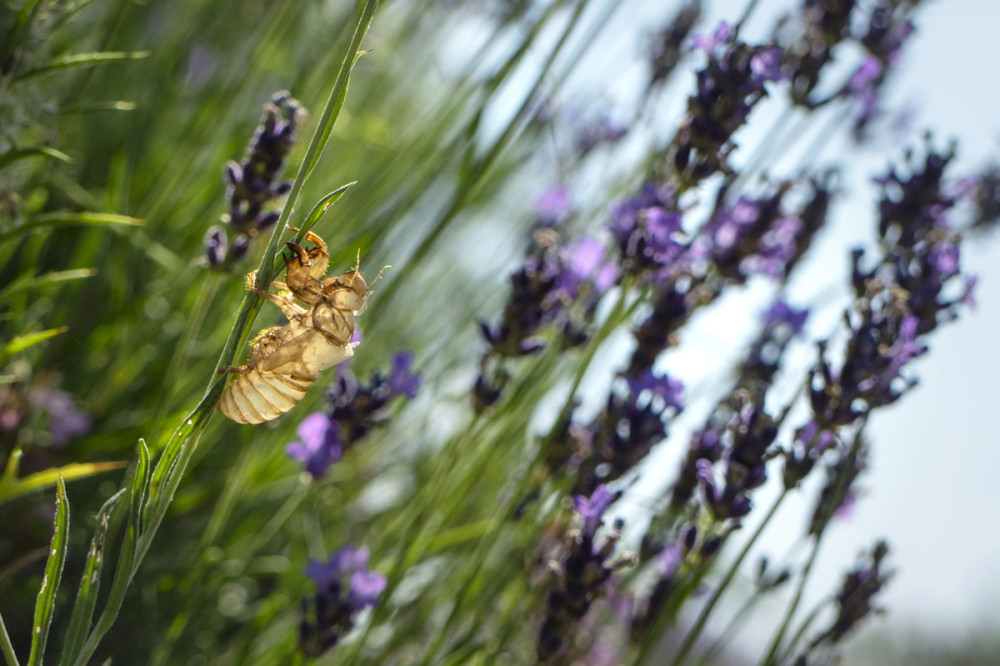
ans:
(5, 645)
(803, 628)
(706, 611)
(839, 487)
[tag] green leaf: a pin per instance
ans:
(86, 597)
(314, 216)
(50, 582)
(22, 342)
(11, 486)
(67, 219)
(30, 282)
(12, 156)
(140, 484)
(6, 647)
(83, 60)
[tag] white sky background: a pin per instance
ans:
(935, 464)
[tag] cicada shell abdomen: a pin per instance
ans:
(277, 377)
(255, 396)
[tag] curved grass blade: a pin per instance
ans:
(11, 486)
(328, 127)
(50, 582)
(315, 215)
(83, 60)
(12, 156)
(6, 648)
(22, 342)
(67, 219)
(86, 596)
(128, 561)
(30, 282)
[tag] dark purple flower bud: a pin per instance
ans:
(711, 546)
(215, 246)
(709, 43)
(267, 220)
(233, 174)
(239, 248)
(854, 600)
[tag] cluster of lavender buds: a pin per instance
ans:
(747, 444)
(344, 587)
(253, 183)
(583, 574)
(558, 286)
(627, 429)
(728, 88)
(854, 600)
(689, 549)
(355, 409)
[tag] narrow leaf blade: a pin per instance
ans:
(22, 342)
(50, 583)
(86, 596)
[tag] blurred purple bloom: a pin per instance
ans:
(708, 43)
(65, 420)
(344, 587)
(366, 587)
(592, 508)
(663, 386)
(319, 445)
(782, 314)
(552, 204)
(402, 381)
(766, 64)
(585, 260)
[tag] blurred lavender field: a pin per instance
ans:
(665, 352)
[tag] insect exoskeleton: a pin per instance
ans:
(286, 360)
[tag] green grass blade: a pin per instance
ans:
(86, 596)
(22, 342)
(83, 60)
(29, 282)
(315, 215)
(11, 486)
(12, 156)
(140, 485)
(67, 219)
(6, 648)
(50, 583)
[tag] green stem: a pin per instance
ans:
(786, 622)
(5, 645)
(706, 611)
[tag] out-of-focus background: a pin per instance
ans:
(149, 136)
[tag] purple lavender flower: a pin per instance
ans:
(628, 428)
(854, 600)
(810, 442)
(65, 420)
(782, 322)
(319, 444)
(592, 508)
(647, 230)
(402, 381)
(585, 572)
(553, 204)
(356, 409)
(826, 24)
(252, 182)
(344, 587)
